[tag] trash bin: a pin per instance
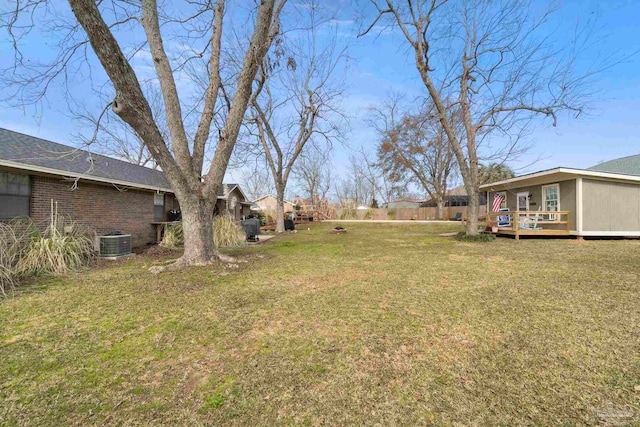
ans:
(289, 225)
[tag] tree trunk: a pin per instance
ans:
(280, 210)
(197, 226)
(472, 210)
(440, 208)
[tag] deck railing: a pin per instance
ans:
(529, 222)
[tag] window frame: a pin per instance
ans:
(18, 194)
(156, 196)
(544, 200)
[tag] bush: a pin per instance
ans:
(368, 214)
(173, 237)
(391, 214)
(64, 246)
(262, 217)
(484, 237)
(348, 212)
(226, 232)
(25, 250)
(14, 240)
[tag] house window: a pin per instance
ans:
(158, 207)
(15, 192)
(551, 199)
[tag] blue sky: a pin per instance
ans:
(383, 64)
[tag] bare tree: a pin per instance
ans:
(354, 188)
(313, 174)
(489, 60)
(108, 29)
(111, 136)
(257, 182)
(385, 184)
(298, 102)
(416, 150)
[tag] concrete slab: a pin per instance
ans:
(263, 238)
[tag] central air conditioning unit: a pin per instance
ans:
(112, 247)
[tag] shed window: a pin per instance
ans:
(158, 207)
(551, 199)
(15, 191)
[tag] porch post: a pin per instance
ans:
(579, 206)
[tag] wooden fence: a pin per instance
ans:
(416, 214)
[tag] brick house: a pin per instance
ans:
(104, 193)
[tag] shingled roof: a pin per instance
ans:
(629, 165)
(31, 153)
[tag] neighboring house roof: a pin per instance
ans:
(629, 165)
(271, 195)
(401, 204)
(454, 193)
(556, 174)
(458, 191)
(406, 199)
(226, 189)
(21, 151)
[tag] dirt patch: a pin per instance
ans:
(156, 251)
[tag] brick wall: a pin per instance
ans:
(102, 207)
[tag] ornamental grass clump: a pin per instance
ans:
(11, 246)
(62, 247)
(226, 233)
(25, 249)
(173, 237)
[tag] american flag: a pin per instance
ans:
(497, 202)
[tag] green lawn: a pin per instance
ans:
(386, 325)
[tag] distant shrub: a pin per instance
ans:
(368, 214)
(262, 216)
(348, 212)
(391, 214)
(484, 237)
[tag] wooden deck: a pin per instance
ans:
(529, 223)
